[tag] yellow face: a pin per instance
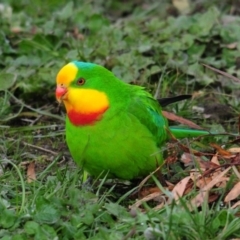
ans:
(81, 100)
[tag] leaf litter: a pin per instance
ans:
(206, 181)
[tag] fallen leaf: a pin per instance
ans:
(232, 45)
(215, 160)
(149, 197)
(223, 183)
(16, 29)
(234, 193)
(182, 6)
(148, 190)
(234, 150)
(207, 165)
(173, 117)
(195, 174)
(202, 182)
(199, 199)
(220, 150)
(212, 198)
(235, 159)
(198, 94)
(235, 204)
(31, 175)
(161, 205)
(188, 159)
(180, 187)
(170, 186)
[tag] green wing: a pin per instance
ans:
(148, 111)
(143, 106)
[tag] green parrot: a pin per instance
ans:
(112, 126)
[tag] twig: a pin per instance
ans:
(36, 110)
(36, 147)
(36, 120)
(40, 148)
(222, 73)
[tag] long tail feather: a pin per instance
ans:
(184, 133)
(166, 101)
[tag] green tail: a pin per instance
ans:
(178, 132)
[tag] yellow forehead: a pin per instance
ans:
(67, 74)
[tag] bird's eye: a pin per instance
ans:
(80, 81)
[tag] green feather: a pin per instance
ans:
(184, 133)
(127, 141)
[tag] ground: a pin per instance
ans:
(161, 45)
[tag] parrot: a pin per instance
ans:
(113, 127)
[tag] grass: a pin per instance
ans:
(142, 42)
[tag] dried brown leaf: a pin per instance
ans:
(148, 190)
(222, 184)
(212, 198)
(235, 159)
(183, 6)
(31, 175)
(232, 45)
(195, 174)
(234, 193)
(202, 182)
(188, 159)
(146, 199)
(220, 150)
(234, 150)
(173, 117)
(207, 165)
(235, 204)
(215, 160)
(16, 29)
(170, 186)
(161, 205)
(199, 199)
(180, 187)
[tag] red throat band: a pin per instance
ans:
(81, 119)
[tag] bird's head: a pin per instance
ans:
(83, 88)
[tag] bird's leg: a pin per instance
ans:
(87, 185)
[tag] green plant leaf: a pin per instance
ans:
(7, 218)
(6, 80)
(31, 227)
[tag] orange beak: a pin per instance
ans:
(60, 93)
